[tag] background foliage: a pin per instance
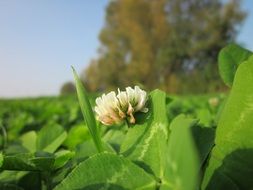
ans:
(166, 44)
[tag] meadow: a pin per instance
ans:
(181, 143)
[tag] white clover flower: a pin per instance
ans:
(137, 99)
(107, 109)
(113, 109)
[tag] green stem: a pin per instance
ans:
(129, 125)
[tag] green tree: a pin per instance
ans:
(68, 88)
(170, 44)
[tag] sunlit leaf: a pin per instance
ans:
(87, 112)
(76, 135)
(107, 171)
(62, 157)
(28, 140)
(50, 138)
(230, 165)
(146, 142)
(229, 59)
(182, 164)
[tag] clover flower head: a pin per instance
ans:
(112, 108)
(136, 101)
(107, 109)
(137, 98)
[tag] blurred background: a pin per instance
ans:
(167, 44)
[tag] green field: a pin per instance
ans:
(137, 140)
(20, 116)
(48, 118)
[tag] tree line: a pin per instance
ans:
(166, 44)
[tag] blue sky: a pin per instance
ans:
(39, 40)
(246, 32)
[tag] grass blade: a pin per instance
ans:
(87, 112)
